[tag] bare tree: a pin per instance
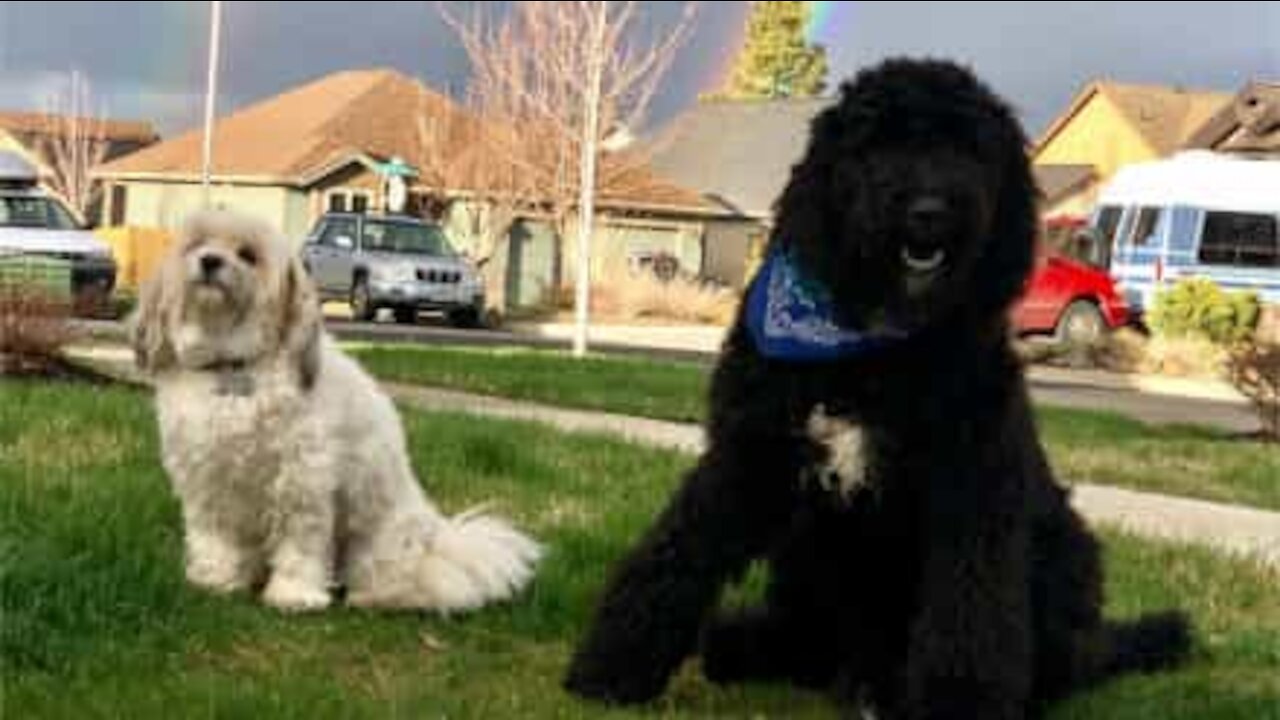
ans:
(73, 141)
(551, 81)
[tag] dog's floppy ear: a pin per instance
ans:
(300, 323)
(149, 325)
(1010, 252)
(804, 210)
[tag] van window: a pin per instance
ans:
(1108, 223)
(1143, 233)
(1241, 239)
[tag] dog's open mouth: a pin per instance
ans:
(924, 266)
(210, 290)
(923, 260)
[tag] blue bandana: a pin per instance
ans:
(790, 316)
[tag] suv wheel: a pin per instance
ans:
(361, 303)
(465, 318)
(406, 315)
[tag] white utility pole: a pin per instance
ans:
(211, 92)
(587, 178)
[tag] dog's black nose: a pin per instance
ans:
(928, 213)
(210, 264)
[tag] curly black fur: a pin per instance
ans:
(959, 583)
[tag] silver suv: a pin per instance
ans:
(400, 263)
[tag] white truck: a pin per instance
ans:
(35, 223)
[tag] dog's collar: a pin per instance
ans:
(790, 316)
(233, 376)
(220, 365)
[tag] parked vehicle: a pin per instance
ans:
(36, 223)
(401, 263)
(1075, 301)
(1195, 215)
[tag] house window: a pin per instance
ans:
(1240, 239)
(348, 200)
(119, 199)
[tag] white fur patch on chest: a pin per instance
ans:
(843, 469)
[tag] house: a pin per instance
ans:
(1109, 125)
(26, 132)
(285, 159)
(739, 153)
(1249, 125)
(1066, 189)
(329, 145)
(29, 134)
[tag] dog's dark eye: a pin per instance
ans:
(248, 255)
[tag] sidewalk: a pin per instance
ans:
(1233, 529)
(707, 339)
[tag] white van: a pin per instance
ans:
(1198, 214)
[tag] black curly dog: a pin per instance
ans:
(942, 574)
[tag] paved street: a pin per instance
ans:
(1064, 388)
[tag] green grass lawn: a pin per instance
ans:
(666, 390)
(97, 623)
(1085, 446)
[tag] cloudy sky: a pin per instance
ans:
(146, 59)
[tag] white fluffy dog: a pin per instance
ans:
(289, 461)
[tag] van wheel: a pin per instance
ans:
(362, 308)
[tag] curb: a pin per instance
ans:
(533, 334)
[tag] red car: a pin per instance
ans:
(1071, 299)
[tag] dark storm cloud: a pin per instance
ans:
(147, 59)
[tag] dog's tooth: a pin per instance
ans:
(933, 262)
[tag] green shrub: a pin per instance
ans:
(1197, 307)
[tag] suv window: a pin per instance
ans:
(335, 228)
(1240, 239)
(405, 238)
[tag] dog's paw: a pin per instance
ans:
(291, 595)
(614, 688)
(220, 578)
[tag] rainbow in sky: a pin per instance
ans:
(822, 17)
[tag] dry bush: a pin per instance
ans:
(1255, 371)
(1124, 350)
(628, 296)
(688, 299)
(34, 329)
(1269, 325)
(1184, 357)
